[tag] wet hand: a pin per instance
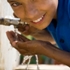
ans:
(24, 45)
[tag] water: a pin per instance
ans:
(27, 57)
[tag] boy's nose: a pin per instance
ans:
(30, 12)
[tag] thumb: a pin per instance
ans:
(14, 44)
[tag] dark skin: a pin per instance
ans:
(27, 47)
(38, 14)
(43, 35)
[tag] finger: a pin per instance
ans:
(22, 45)
(24, 52)
(19, 36)
(10, 35)
(14, 44)
(23, 27)
(23, 38)
(21, 51)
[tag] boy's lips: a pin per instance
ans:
(38, 20)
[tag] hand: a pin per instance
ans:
(43, 35)
(24, 45)
(26, 29)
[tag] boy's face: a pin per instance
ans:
(37, 13)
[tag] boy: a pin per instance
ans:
(44, 17)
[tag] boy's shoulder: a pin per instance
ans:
(69, 8)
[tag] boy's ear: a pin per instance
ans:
(15, 15)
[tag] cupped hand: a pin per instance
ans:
(24, 45)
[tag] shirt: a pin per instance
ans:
(61, 31)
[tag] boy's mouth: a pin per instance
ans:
(39, 20)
